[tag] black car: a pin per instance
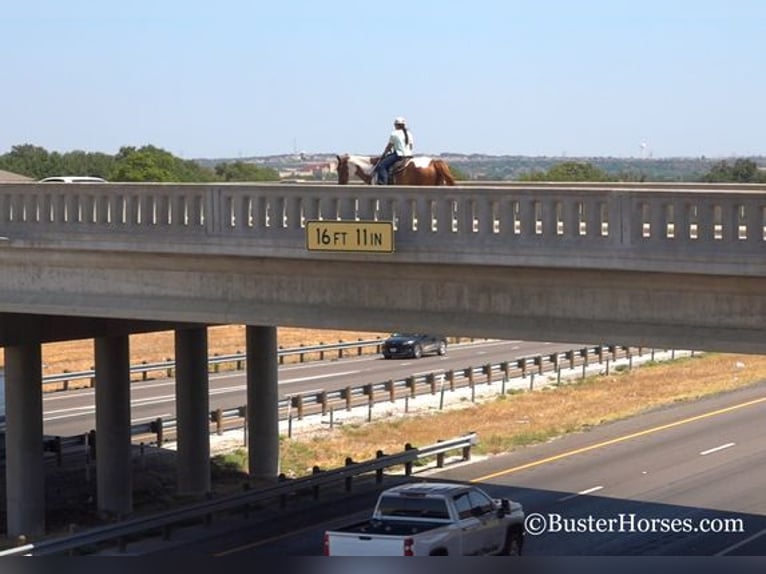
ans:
(413, 345)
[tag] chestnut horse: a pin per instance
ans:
(414, 171)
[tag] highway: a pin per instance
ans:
(68, 413)
(648, 485)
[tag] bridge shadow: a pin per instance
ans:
(569, 524)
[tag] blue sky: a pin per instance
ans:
(237, 78)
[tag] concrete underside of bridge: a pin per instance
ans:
(671, 310)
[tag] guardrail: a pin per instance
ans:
(203, 512)
(238, 359)
(326, 402)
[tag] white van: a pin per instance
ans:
(72, 179)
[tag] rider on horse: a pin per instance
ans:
(399, 146)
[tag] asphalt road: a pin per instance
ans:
(648, 485)
(69, 413)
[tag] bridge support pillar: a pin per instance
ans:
(24, 468)
(193, 465)
(114, 473)
(262, 402)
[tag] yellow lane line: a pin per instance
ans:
(617, 440)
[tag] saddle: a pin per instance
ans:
(399, 165)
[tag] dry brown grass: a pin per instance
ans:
(524, 418)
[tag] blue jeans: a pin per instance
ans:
(384, 165)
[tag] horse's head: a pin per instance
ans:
(361, 166)
(342, 169)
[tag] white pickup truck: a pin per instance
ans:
(433, 519)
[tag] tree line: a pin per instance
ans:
(133, 164)
(741, 171)
(150, 163)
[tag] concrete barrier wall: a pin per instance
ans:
(708, 229)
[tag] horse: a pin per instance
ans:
(420, 170)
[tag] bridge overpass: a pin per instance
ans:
(655, 265)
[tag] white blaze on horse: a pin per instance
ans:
(419, 170)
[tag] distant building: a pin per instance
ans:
(309, 171)
(10, 177)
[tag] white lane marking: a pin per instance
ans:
(716, 449)
(741, 543)
(581, 493)
(315, 377)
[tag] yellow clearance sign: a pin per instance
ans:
(356, 236)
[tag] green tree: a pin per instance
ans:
(568, 171)
(243, 171)
(150, 163)
(30, 160)
(458, 173)
(742, 171)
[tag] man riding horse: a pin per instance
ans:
(399, 146)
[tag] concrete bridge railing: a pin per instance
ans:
(710, 229)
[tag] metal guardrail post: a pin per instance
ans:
(451, 379)
(439, 457)
(347, 395)
(411, 385)
(369, 390)
(571, 358)
(469, 374)
(349, 478)
(323, 401)
(157, 428)
(487, 370)
(431, 382)
(217, 416)
(379, 472)
(522, 365)
(298, 405)
(391, 388)
(408, 464)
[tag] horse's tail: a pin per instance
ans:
(443, 174)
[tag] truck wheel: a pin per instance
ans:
(514, 541)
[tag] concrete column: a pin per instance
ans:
(192, 408)
(262, 402)
(114, 471)
(24, 465)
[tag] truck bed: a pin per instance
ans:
(390, 527)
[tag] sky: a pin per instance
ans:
(238, 78)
